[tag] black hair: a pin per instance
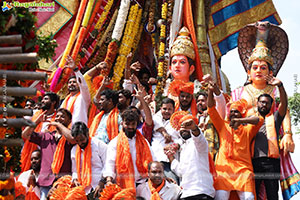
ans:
(201, 94)
(127, 94)
(79, 128)
(54, 98)
(130, 115)
(111, 94)
(71, 77)
(168, 100)
(266, 95)
(157, 162)
(144, 70)
(31, 101)
(67, 112)
(135, 109)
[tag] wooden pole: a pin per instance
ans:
(11, 39)
(10, 50)
(16, 123)
(18, 58)
(22, 75)
(8, 99)
(18, 91)
(17, 112)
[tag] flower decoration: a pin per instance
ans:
(109, 192)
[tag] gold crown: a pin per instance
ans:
(183, 45)
(261, 52)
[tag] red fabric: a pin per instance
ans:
(147, 131)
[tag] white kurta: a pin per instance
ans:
(193, 168)
(158, 140)
(170, 191)
(98, 160)
(82, 102)
(110, 164)
(24, 177)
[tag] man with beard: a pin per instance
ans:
(266, 162)
(193, 166)
(78, 100)
(233, 161)
(157, 186)
(164, 135)
(55, 145)
(125, 99)
(106, 124)
(184, 92)
(88, 159)
(29, 177)
(129, 152)
(46, 115)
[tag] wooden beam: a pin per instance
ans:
(17, 112)
(18, 91)
(11, 39)
(10, 50)
(23, 75)
(16, 123)
(18, 58)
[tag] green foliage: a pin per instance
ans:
(294, 105)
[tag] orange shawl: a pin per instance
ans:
(29, 147)
(155, 191)
(193, 107)
(70, 106)
(59, 155)
(85, 174)
(124, 164)
(30, 195)
(273, 150)
(112, 125)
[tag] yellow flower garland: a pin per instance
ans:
(104, 14)
(131, 30)
(160, 68)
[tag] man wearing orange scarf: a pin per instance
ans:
(233, 161)
(55, 147)
(106, 124)
(157, 187)
(129, 152)
(88, 158)
(29, 178)
(184, 92)
(78, 100)
(42, 118)
(265, 160)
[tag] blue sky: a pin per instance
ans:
(290, 16)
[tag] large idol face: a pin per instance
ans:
(258, 71)
(180, 68)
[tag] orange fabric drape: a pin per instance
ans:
(193, 107)
(84, 174)
(273, 151)
(124, 164)
(30, 195)
(59, 155)
(70, 105)
(112, 126)
(155, 191)
(92, 114)
(29, 147)
(189, 23)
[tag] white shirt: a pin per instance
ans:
(24, 177)
(82, 103)
(193, 168)
(170, 191)
(110, 164)
(158, 140)
(98, 160)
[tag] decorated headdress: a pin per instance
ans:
(240, 105)
(115, 192)
(263, 41)
(183, 45)
(180, 116)
(178, 86)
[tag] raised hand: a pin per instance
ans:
(272, 80)
(102, 67)
(136, 66)
(70, 63)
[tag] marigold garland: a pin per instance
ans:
(7, 197)
(7, 155)
(161, 57)
(131, 30)
(104, 14)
